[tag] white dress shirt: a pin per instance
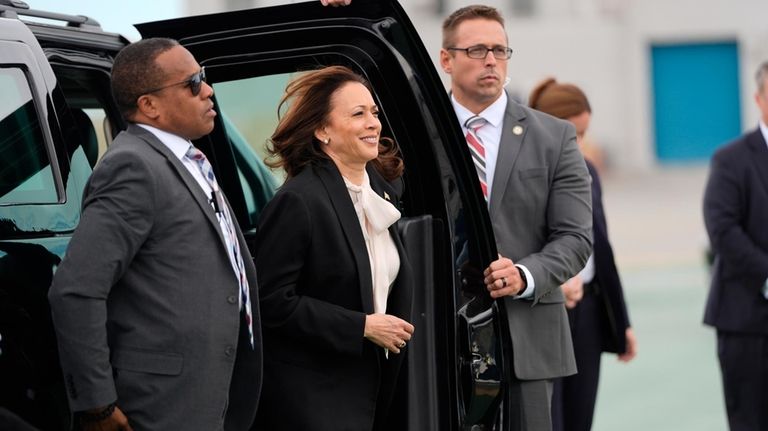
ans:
(376, 215)
(588, 273)
(490, 134)
(179, 147)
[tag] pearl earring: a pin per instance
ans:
(327, 141)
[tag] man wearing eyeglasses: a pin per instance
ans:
(155, 303)
(537, 188)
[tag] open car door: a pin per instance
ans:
(456, 364)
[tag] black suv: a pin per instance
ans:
(57, 116)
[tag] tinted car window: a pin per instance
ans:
(249, 122)
(29, 202)
(25, 176)
(30, 209)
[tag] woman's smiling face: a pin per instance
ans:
(353, 127)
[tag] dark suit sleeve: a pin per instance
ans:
(283, 247)
(116, 218)
(725, 209)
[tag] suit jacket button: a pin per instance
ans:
(232, 299)
(230, 351)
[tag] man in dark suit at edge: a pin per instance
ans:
(537, 187)
(155, 303)
(736, 217)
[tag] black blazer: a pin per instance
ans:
(316, 289)
(614, 316)
(736, 217)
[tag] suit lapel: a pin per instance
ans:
(350, 225)
(186, 178)
(759, 157)
(512, 134)
(381, 186)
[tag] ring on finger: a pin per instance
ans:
(503, 282)
(402, 344)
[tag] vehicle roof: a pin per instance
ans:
(13, 30)
(71, 31)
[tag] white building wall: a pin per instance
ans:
(604, 46)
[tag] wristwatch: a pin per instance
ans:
(86, 417)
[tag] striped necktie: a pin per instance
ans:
(230, 235)
(477, 149)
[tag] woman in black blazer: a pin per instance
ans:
(594, 297)
(334, 282)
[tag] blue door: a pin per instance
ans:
(697, 106)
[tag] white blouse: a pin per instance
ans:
(376, 215)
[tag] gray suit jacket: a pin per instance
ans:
(145, 303)
(541, 211)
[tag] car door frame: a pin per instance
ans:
(376, 38)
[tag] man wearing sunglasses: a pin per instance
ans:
(537, 188)
(155, 304)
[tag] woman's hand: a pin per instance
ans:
(573, 290)
(631, 346)
(387, 331)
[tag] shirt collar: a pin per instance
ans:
(175, 143)
(494, 113)
(764, 130)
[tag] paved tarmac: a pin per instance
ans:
(656, 227)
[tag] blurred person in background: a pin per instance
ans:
(736, 218)
(594, 297)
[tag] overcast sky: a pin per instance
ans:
(114, 16)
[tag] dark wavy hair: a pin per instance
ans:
(558, 99)
(293, 145)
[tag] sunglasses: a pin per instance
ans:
(194, 82)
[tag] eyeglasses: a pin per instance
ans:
(481, 51)
(194, 82)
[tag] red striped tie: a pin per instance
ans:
(477, 149)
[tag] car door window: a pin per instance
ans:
(28, 178)
(31, 200)
(94, 118)
(249, 111)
